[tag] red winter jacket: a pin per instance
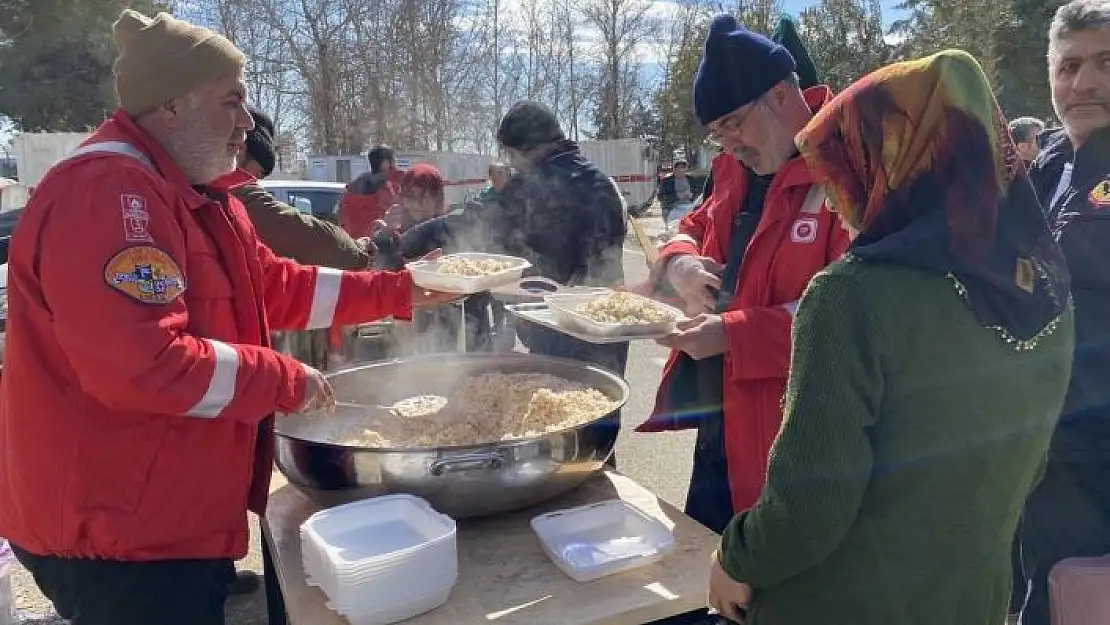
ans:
(789, 246)
(365, 200)
(136, 398)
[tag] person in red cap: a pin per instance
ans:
(139, 386)
(421, 194)
(739, 265)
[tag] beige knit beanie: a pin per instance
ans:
(162, 58)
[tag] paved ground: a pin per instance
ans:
(659, 461)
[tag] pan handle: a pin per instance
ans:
(477, 461)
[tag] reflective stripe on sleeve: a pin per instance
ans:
(682, 238)
(324, 298)
(221, 388)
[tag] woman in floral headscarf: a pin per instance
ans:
(929, 367)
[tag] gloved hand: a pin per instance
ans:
(318, 392)
(695, 278)
(387, 242)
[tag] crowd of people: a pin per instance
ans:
(894, 352)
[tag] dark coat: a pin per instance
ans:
(1080, 221)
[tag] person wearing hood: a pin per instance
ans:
(739, 265)
(929, 367)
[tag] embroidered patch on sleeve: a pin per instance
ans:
(1100, 195)
(135, 218)
(146, 274)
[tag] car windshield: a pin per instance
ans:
(324, 201)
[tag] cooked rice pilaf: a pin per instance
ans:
(624, 308)
(481, 409)
(473, 267)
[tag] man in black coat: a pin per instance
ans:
(1068, 513)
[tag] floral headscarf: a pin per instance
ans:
(917, 157)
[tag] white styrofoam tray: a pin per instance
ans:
(381, 560)
(396, 612)
(377, 538)
(425, 273)
(564, 312)
(602, 539)
(410, 581)
(542, 314)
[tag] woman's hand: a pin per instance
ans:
(727, 597)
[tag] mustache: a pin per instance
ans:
(1103, 102)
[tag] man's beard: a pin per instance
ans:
(196, 148)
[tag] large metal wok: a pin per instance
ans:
(461, 481)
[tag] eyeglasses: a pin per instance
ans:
(732, 123)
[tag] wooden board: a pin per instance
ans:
(505, 577)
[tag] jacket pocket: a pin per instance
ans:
(115, 476)
(195, 494)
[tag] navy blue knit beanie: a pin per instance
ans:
(737, 68)
(260, 141)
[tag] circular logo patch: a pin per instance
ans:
(146, 274)
(804, 230)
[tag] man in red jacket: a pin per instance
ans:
(740, 263)
(136, 401)
(369, 196)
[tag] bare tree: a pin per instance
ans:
(623, 25)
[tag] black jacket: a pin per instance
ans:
(668, 197)
(1080, 222)
(564, 216)
(567, 218)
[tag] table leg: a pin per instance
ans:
(275, 602)
(461, 342)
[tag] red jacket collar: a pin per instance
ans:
(230, 181)
(121, 126)
(795, 172)
(817, 96)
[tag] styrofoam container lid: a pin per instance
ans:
(394, 612)
(602, 539)
(389, 528)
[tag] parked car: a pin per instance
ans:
(319, 199)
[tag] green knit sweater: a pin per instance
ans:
(911, 435)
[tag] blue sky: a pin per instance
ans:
(795, 6)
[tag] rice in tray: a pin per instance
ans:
(624, 308)
(481, 409)
(473, 267)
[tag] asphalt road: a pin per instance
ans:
(661, 462)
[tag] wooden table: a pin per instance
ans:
(505, 577)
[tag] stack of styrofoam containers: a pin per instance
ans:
(381, 560)
(7, 565)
